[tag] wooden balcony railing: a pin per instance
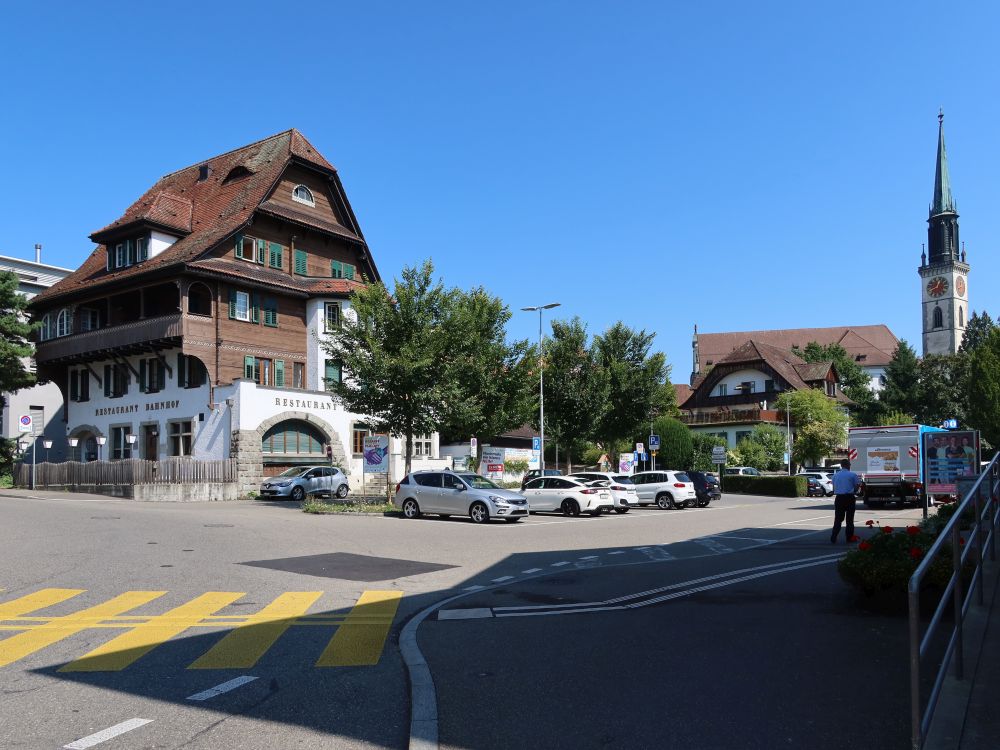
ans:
(735, 416)
(121, 338)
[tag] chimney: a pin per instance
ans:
(38, 253)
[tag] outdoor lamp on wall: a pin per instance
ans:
(101, 440)
(130, 439)
(46, 444)
(73, 442)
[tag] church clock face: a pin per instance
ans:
(937, 286)
(960, 286)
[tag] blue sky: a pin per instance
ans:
(735, 165)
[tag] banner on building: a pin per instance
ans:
(376, 454)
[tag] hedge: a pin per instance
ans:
(796, 486)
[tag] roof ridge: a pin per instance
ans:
(233, 151)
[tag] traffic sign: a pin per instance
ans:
(718, 454)
(24, 423)
(639, 448)
(950, 424)
(654, 442)
(536, 443)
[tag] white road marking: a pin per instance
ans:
(827, 517)
(225, 687)
(530, 570)
(501, 579)
(558, 564)
(472, 613)
(473, 588)
(713, 545)
(106, 734)
(747, 539)
(617, 552)
(657, 553)
(588, 557)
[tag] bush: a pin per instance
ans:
(796, 486)
(935, 524)
(515, 466)
(703, 444)
(885, 561)
(676, 448)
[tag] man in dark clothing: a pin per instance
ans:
(845, 485)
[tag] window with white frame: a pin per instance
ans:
(64, 323)
(423, 447)
(723, 389)
(88, 318)
(302, 194)
(180, 438)
(332, 320)
(46, 328)
(242, 306)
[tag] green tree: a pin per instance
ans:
(902, 376)
(977, 331)
(772, 444)
(890, 418)
(15, 349)
(816, 440)
(810, 405)
(576, 388)
(636, 381)
(749, 453)
(490, 383)
(984, 388)
(676, 446)
(702, 444)
(820, 426)
(855, 382)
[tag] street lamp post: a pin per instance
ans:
(46, 444)
(541, 383)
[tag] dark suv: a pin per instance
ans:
(535, 473)
(706, 487)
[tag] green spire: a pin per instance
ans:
(943, 202)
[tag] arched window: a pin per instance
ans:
(938, 318)
(199, 300)
(293, 436)
(302, 194)
(64, 323)
(961, 317)
(45, 330)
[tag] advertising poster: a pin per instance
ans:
(492, 465)
(884, 460)
(948, 456)
(626, 463)
(376, 454)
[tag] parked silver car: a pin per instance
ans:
(300, 481)
(450, 493)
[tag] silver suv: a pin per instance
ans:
(450, 493)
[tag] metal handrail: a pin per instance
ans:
(981, 536)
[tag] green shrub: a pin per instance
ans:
(934, 524)
(796, 486)
(676, 448)
(885, 560)
(702, 457)
(515, 465)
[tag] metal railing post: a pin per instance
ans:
(956, 555)
(980, 527)
(915, 710)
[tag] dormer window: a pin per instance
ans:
(236, 173)
(302, 194)
(128, 252)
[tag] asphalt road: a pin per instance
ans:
(214, 595)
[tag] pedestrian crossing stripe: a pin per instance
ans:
(359, 638)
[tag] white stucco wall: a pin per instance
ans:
(734, 379)
(315, 324)
(158, 242)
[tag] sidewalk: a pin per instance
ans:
(981, 728)
(57, 494)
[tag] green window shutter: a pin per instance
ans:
(144, 378)
(255, 307)
(261, 251)
(74, 385)
(336, 269)
(275, 255)
(279, 373)
(182, 375)
(109, 263)
(107, 380)
(270, 312)
(239, 246)
(232, 303)
(300, 262)
(248, 363)
(348, 271)
(333, 372)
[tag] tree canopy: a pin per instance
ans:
(902, 379)
(15, 348)
(984, 388)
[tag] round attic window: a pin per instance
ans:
(302, 194)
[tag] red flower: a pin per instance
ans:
(853, 538)
(916, 553)
(912, 530)
(864, 546)
(869, 522)
(887, 529)
(961, 542)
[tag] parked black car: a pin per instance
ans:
(535, 473)
(706, 487)
(815, 489)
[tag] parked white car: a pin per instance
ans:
(667, 489)
(568, 494)
(825, 480)
(622, 490)
(451, 493)
(740, 471)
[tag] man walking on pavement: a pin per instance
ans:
(845, 484)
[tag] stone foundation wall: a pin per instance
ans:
(245, 448)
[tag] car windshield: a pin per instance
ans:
(681, 477)
(622, 479)
(479, 483)
(294, 471)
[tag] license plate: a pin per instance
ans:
(604, 496)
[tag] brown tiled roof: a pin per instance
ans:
(867, 345)
(781, 361)
(683, 392)
(284, 212)
(272, 277)
(813, 371)
(218, 209)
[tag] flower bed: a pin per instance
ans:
(884, 561)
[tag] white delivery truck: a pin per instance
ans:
(888, 460)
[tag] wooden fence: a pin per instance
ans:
(131, 471)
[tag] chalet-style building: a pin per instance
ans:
(871, 347)
(195, 326)
(739, 391)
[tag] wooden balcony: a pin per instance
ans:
(133, 337)
(735, 416)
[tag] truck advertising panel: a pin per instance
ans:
(882, 460)
(948, 456)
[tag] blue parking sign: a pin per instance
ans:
(536, 443)
(654, 442)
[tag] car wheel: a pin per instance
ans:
(704, 503)
(663, 501)
(479, 513)
(621, 510)
(342, 491)
(411, 509)
(298, 494)
(678, 504)
(570, 507)
(595, 513)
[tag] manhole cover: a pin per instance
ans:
(350, 567)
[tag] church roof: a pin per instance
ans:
(868, 346)
(942, 201)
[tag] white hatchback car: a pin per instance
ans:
(622, 489)
(825, 480)
(667, 489)
(568, 494)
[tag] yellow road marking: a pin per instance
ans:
(142, 638)
(21, 645)
(247, 643)
(13, 610)
(360, 640)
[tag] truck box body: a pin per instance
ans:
(888, 460)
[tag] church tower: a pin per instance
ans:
(943, 270)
